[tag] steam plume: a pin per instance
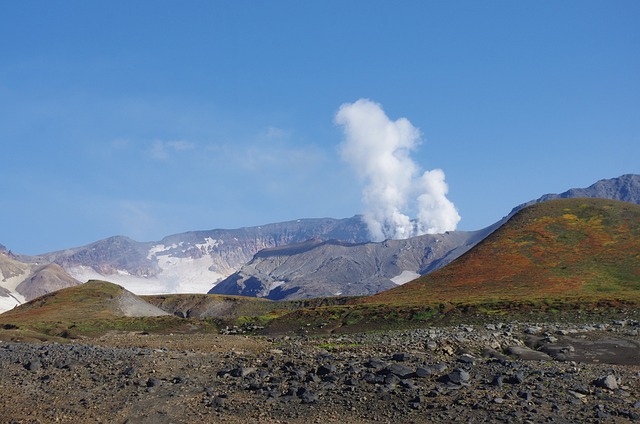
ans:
(379, 150)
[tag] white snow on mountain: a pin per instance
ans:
(7, 303)
(405, 277)
(177, 275)
(10, 284)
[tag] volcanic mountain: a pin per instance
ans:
(329, 268)
(190, 262)
(333, 268)
(570, 248)
(332, 257)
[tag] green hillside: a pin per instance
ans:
(87, 309)
(562, 249)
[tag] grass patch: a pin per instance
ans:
(97, 327)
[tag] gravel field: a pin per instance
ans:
(501, 372)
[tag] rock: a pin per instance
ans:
(423, 372)
(438, 368)
(400, 357)
(466, 359)
(408, 384)
(365, 383)
(517, 378)
(607, 382)
(554, 350)
(400, 370)
(129, 372)
(34, 365)
(457, 376)
(576, 394)
(391, 380)
(242, 371)
(497, 381)
(219, 402)
(309, 397)
(325, 370)
(492, 353)
(376, 364)
(312, 378)
(527, 396)
(153, 382)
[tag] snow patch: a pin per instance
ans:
(12, 283)
(275, 284)
(405, 277)
(159, 248)
(178, 275)
(209, 243)
(8, 302)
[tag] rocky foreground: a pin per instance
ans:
(500, 372)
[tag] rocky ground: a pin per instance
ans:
(499, 372)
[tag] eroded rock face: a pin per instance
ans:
(319, 268)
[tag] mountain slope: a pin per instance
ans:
(327, 269)
(576, 248)
(332, 268)
(21, 282)
(45, 279)
(93, 300)
(191, 262)
(196, 261)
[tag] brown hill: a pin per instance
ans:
(20, 281)
(46, 279)
(569, 248)
(92, 300)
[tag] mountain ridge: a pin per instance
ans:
(195, 261)
(190, 262)
(265, 274)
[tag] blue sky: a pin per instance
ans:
(150, 118)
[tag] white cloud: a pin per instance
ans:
(275, 132)
(181, 145)
(162, 150)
